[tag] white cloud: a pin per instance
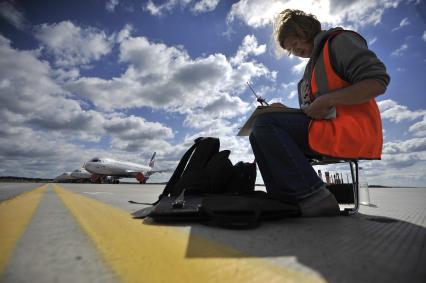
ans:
(196, 7)
(397, 172)
(403, 163)
(167, 78)
(404, 169)
(44, 154)
(403, 160)
(372, 41)
(406, 146)
(290, 89)
(215, 113)
(424, 36)
(135, 133)
(136, 128)
(259, 13)
(402, 154)
(404, 22)
(72, 45)
(255, 13)
(289, 85)
(29, 94)
(149, 58)
(419, 129)
(205, 89)
(124, 33)
(203, 6)
(400, 51)
(47, 121)
(37, 154)
(300, 66)
(157, 10)
(292, 94)
(65, 74)
(24, 80)
(111, 4)
(396, 113)
(248, 47)
(13, 15)
(39, 102)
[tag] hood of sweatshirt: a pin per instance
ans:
(304, 83)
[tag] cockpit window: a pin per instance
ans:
(96, 159)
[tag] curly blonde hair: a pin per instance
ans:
(295, 23)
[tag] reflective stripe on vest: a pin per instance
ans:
(356, 132)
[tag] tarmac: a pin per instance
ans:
(85, 233)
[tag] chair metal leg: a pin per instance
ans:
(355, 186)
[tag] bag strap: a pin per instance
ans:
(136, 202)
(180, 168)
(176, 174)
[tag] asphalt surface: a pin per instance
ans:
(84, 233)
(11, 190)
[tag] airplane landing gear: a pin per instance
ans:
(141, 178)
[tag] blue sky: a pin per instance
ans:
(123, 78)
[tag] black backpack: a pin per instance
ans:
(202, 169)
(205, 186)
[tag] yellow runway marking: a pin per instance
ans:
(15, 214)
(148, 253)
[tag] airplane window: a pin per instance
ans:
(95, 160)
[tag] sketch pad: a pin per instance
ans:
(246, 128)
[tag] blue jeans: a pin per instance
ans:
(280, 146)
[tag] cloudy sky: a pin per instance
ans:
(125, 78)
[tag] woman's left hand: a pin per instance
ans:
(319, 108)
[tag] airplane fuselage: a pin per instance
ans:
(66, 176)
(115, 168)
(81, 174)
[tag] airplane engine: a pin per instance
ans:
(141, 178)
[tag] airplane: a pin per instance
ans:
(81, 174)
(110, 170)
(76, 176)
(64, 177)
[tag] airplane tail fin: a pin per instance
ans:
(152, 161)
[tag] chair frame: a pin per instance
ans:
(353, 164)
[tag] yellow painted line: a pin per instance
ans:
(139, 252)
(15, 214)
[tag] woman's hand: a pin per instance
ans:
(357, 93)
(319, 108)
(277, 104)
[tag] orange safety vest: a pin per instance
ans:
(356, 132)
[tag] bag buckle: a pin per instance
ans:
(180, 200)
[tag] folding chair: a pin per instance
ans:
(353, 164)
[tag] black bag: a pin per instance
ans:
(245, 211)
(205, 186)
(202, 169)
(243, 178)
(224, 210)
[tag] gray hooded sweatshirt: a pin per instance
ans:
(350, 58)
